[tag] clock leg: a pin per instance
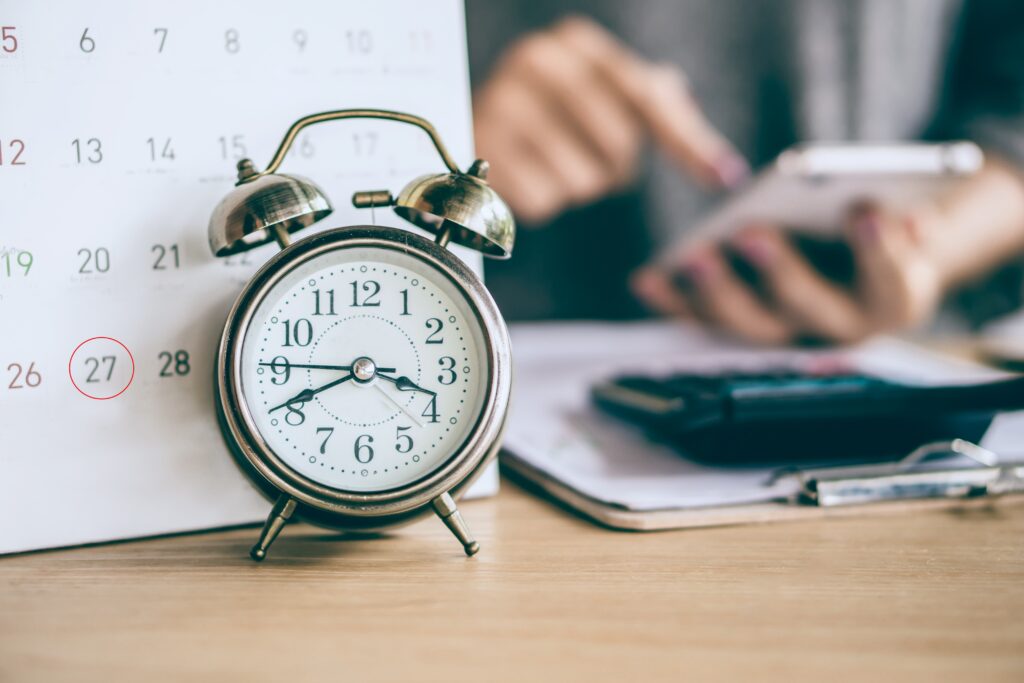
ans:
(445, 508)
(279, 515)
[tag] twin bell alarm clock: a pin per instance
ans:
(363, 375)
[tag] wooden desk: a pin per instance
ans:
(935, 596)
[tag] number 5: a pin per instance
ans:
(8, 39)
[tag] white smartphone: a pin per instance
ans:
(811, 187)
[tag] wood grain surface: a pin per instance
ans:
(932, 596)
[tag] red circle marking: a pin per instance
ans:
(100, 398)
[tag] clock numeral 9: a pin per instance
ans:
(30, 379)
(299, 334)
(363, 449)
(176, 363)
(371, 288)
(280, 366)
(403, 442)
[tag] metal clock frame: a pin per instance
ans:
(335, 508)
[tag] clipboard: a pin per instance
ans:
(878, 489)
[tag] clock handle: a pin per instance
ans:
(445, 508)
(279, 515)
(339, 114)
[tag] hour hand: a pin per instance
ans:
(308, 394)
(403, 383)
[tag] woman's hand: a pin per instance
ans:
(898, 284)
(904, 264)
(567, 111)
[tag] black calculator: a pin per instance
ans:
(785, 416)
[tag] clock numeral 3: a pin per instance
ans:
(447, 375)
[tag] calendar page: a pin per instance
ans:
(120, 126)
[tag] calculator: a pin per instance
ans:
(785, 416)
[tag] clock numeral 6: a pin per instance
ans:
(363, 449)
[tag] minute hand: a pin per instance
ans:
(403, 383)
(308, 394)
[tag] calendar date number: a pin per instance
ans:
(24, 377)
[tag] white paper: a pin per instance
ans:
(554, 428)
(120, 125)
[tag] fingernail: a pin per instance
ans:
(700, 269)
(757, 249)
(867, 229)
(644, 283)
(731, 169)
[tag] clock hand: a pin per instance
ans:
(308, 394)
(405, 384)
(399, 406)
(289, 364)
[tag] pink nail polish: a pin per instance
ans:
(868, 229)
(731, 169)
(701, 270)
(758, 250)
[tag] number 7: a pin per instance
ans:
(330, 431)
(162, 32)
(110, 372)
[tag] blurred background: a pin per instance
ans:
(612, 127)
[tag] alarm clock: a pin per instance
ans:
(363, 375)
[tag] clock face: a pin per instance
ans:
(364, 368)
